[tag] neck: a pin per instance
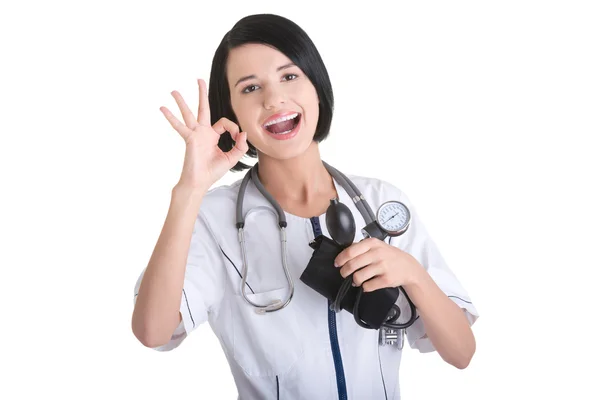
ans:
(296, 180)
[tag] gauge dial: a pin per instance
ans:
(393, 217)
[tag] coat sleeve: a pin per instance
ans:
(417, 242)
(203, 282)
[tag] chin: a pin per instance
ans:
(288, 153)
(284, 149)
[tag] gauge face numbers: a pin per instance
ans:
(393, 217)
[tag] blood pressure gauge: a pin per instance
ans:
(392, 219)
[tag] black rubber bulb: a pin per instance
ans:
(340, 223)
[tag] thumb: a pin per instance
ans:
(240, 148)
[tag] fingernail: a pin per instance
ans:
(335, 265)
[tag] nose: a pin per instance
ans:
(274, 97)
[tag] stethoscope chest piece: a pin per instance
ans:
(273, 305)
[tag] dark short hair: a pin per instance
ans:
(287, 37)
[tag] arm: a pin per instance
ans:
(377, 265)
(445, 323)
(156, 312)
(413, 261)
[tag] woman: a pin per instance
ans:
(270, 97)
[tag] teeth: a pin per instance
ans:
(275, 121)
(284, 133)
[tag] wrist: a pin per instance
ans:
(418, 277)
(181, 190)
(187, 196)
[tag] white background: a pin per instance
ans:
(485, 113)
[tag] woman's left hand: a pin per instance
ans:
(378, 265)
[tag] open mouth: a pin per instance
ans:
(284, 125)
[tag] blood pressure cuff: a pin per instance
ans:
(322, 276)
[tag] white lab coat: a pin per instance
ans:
(303, 351)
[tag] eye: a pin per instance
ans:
(249, 89)
(287, 77)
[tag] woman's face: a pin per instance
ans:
(274, 102)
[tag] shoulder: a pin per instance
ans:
(217, 213)
(219, 197)
(219, 203)
(378, 190)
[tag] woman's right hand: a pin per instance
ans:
(205, 163)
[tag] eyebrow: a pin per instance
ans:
(245, 78)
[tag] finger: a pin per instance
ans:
(225, 125)
(175, 123)
(188, 117)
(353, 251)
(379, 282)
(363, 275)
(357, 263)
(203, 105)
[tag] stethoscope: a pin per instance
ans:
(393, 218)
